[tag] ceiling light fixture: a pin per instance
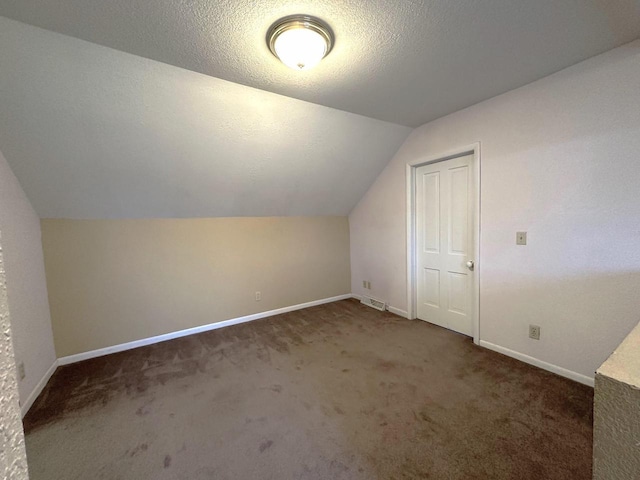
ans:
(300, 41)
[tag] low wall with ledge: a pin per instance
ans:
(616, 446)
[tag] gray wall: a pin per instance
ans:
(559, 159)
(26, 284)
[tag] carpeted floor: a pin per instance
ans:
(339, 391)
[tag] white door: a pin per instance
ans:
(445, 243)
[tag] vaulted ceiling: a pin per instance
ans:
(138, 108)
(402, 61)
(92, 132)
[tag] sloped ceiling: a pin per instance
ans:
(141, 108)
(92, 132)
(403, 61)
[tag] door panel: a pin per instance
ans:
(431, 189)
(458, 293)
(458, 241)
(445, 240)
(431, 291)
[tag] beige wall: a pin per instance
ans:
(26, 285)
(115, 281)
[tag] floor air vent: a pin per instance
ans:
(372, 302)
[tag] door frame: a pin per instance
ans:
(411, 167)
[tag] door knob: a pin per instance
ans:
(470, 265)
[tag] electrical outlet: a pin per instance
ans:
(21, 371)
(258, 296)
(534, 332)
(521, 238)
(364, 284)
(369, 285)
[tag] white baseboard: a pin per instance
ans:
(256, 316)
(38, 389)
(190, 331)
(563, 372)
(397, 311)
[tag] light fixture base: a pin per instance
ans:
(306, 22)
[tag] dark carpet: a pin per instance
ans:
(336, 391)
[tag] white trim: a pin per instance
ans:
(398, 311)
(38, 389)
(391, 309)
(563, 372)
(78, 357)
(411, 167)
(411, 192)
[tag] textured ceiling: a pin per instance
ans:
(405, 62)
(92, 132)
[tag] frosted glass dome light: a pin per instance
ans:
(300, 41)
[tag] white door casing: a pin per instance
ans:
(443, 231)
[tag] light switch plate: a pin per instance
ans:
(521, 238)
